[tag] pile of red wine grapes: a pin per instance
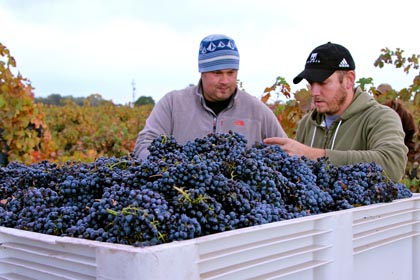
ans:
(209, 185)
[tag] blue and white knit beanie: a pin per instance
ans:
(217, 52)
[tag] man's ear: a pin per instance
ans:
(350, 78)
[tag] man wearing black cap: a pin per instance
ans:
(346, 125)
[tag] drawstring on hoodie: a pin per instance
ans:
(313, 137)
(335, 135)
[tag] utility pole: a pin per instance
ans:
(133, 84)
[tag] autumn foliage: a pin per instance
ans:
(33, 132)
(25, 135)
(84, 133)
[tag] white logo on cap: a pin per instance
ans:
(313, 59)
(344, 64)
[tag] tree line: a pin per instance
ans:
(56, 99)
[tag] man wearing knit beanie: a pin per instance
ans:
(214, 105)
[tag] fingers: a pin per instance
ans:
(275, 140)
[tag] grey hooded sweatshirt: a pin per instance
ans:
(184, 114)
(366, 132)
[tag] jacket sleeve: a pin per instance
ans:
(385, 146)
(270, 124)
(410, 128)
(273, 125)
(158, 123)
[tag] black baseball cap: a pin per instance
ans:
(323, 61)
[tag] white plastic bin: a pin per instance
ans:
(379, 241)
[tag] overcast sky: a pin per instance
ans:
(80, 47)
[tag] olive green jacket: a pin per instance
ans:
(366, 132)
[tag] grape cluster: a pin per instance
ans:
(209, 185)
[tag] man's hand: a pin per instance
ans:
(295, 148)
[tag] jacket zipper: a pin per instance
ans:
(214, 124)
